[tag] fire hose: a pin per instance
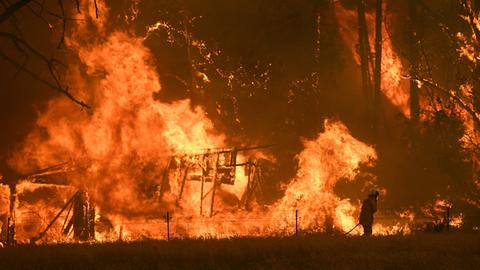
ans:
(351, 230)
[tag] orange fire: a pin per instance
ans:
(393, 87)
(126, 140)
(335, 154)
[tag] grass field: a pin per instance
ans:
(426, 251)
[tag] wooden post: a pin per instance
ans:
(168, 226)
(8, 231)
(249, 184)
(12, 214)
(201, 194)
(447, 218)
(165, 179)
(69, 202)
(120, 234)
(184, 179)
(246, 193)
(80, 216)
(296, 222)
(205, 173)
(212, 202)
(91, 221)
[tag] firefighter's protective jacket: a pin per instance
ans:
(369, 207)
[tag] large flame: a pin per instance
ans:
(334, 155)
(127, 131)
(123, 144)
(392, 86)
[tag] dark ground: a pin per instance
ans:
(426, 251)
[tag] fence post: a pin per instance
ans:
(448, 218)
(168, 226)
(296, 222)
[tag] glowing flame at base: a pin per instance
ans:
(334, 155)
(122, 146)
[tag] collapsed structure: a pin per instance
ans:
(216, 166)
(78, 215)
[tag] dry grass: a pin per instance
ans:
(426, 251)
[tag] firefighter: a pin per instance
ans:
(369, 207)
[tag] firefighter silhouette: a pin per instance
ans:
(369, 207)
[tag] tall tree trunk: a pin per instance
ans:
(327, 52)
(326, 48)
(378, 65)
(413, 55)
(364, 51)
(476, 100)
(476, 68)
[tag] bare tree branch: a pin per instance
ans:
(35, 76)
(457, 99)
(96, 8)
(51, 13)
(471, 19)
(39, 16)
(31, 53)
(23, 46)
(64, 24)
(12, 10)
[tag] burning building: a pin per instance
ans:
(172, 112)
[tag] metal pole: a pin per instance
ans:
(296, 222)
(168, 226)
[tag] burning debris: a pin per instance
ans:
(82, 218)
(146, 163)
(217, 167)
(188, 180)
